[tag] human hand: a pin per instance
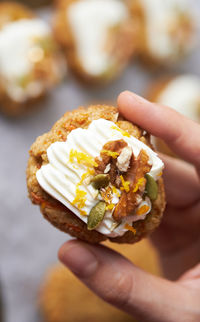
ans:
(177, 239)
(114, 278)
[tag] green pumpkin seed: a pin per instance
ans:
(151, 187)
(96, 215)
(100, 181)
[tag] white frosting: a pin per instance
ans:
(161, 16)
(90, 21)
(16, 42)
(60, 176)
(183, 94)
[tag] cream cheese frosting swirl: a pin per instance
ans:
(20, 50)
(66, 175)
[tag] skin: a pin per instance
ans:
(111, 276)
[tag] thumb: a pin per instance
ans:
(120, 283)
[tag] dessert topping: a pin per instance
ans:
(123, 160)
(151, 187)
(96, 215)
(100, 181)
(128, 201)
(75, 164)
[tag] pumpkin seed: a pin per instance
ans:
(100, 181)
(96, 215)
(151, 187)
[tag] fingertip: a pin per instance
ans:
(129, 102)
(78, 257)
(121, 96)
(122, 99)
(64, 248)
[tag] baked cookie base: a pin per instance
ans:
(35, 3)
(60, 216)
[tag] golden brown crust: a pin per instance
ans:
(125, 45)
(60, 290)
(54, 211)
(35, 3)
(12, 11)
(14, 109)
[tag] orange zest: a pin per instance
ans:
(130, 228)
(142, 210)
(125, 184)
(115, 191)
(110, 206)
(124, 133)
(139, 184)
(86, 174)
(82, 158)
(80, 199)
(112, 154)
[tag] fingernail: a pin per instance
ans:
(128, 97)
(78, 258)
(135, 97)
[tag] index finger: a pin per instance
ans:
(181, 134)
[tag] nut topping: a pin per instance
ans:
(123, 160)
(128, 201)
(115, 148)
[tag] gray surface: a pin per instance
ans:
(29, 244)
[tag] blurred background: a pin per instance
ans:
(28, 243)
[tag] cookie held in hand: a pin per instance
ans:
(96, 177)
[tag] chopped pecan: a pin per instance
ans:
(106, 158)
(128, 201)
(123, 160)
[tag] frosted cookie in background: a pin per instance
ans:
(97, 37)
(35, 3)
(167, 30)
(95, 176)
(30, 61)
(63, 298)
(181, 93)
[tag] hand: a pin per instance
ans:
(118, 281)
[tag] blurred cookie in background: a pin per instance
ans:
(63, 298)
(34, 3)
(167, 30)
(30, 61)
(98, 37)
(181, 93)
